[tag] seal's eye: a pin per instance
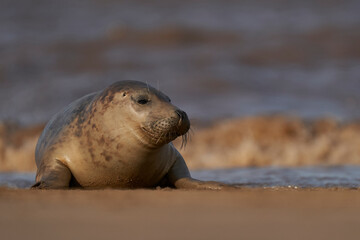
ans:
(142, 101)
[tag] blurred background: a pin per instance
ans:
(218, 60)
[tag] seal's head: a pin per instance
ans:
(147, 112)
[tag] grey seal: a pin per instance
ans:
(120, 137)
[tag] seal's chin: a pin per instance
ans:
(163, 131)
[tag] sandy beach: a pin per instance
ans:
(175, 214)
(266, 84)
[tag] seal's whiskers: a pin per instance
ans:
(147, 85)
(157, 141)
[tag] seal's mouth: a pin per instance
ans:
(159, 138)
(165, 130)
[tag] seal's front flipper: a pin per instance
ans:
(179, 176)
(191, 183)
(54, 176)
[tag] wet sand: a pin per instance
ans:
(174, 214)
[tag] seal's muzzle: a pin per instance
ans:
(165, 130)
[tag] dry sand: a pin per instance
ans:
(174, 214)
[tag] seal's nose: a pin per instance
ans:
(182, 115)
(184, 123)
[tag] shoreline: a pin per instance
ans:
(327, 177)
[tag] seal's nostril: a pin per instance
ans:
(180, 114)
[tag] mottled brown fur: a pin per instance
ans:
(118, 137)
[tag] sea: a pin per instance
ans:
(215, 59)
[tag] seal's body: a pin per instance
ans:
(119, 137)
